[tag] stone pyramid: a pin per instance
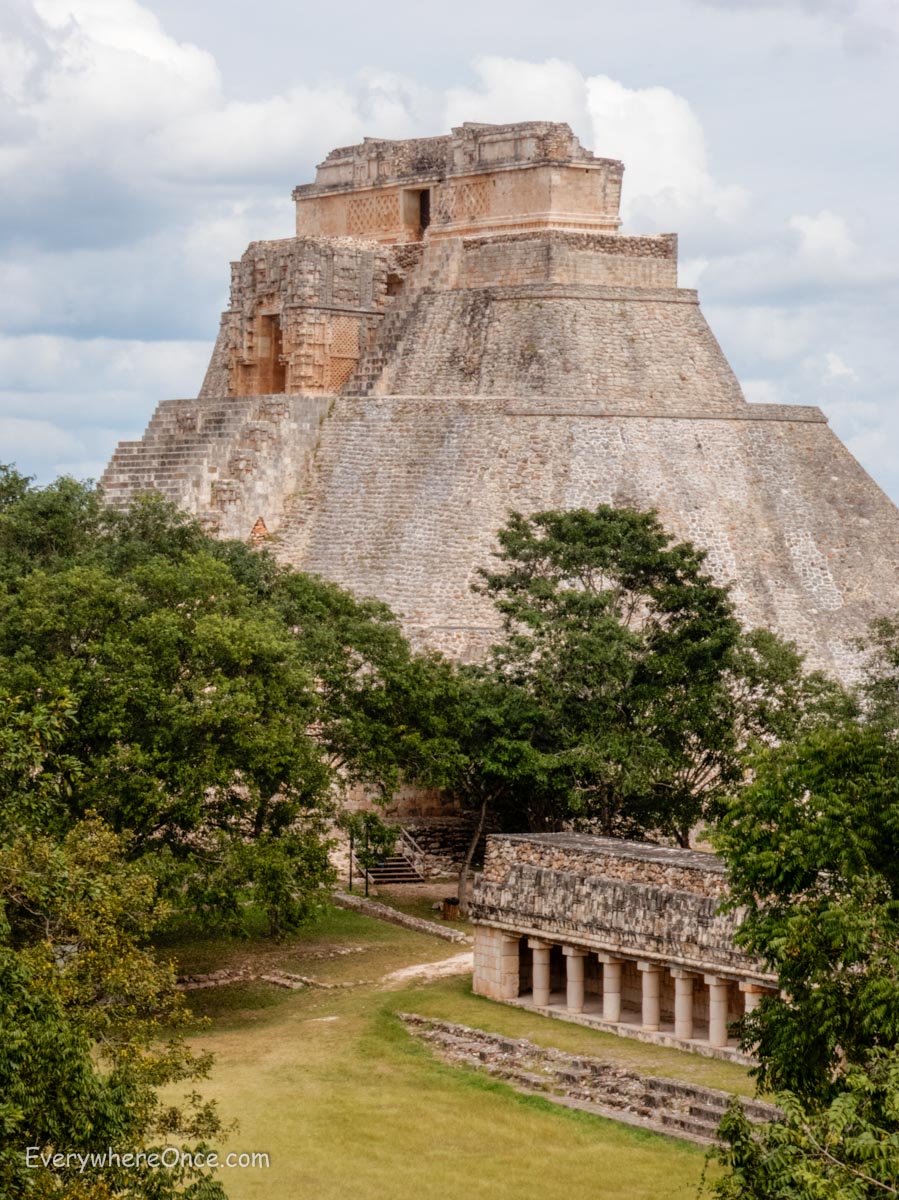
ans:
(459, 330)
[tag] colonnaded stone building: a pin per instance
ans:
(458, 329)
(621, 935)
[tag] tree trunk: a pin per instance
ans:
(469, 855)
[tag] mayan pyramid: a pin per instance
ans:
(458, 330)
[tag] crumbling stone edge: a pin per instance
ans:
(383, 912)
(671, 1107)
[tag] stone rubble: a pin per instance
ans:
(673, 1107)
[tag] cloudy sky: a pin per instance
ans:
(142, 145)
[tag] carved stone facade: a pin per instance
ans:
(482, 179)
(385, 389)
(621, 935)
(302, 312)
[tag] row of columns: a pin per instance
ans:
(651, 991)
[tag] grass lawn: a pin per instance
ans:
(347, 1105)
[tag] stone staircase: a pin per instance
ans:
(395, 869)
(374, 365)
(215, 456)
(443, 842)
(181, 437)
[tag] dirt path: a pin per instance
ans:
(459, 964)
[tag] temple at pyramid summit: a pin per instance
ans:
(456, 330)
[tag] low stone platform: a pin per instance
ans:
(671, 1107)
(383, 912)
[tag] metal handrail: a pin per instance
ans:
(405, 838)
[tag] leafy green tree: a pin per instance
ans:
(812, 849)
(219, 700)
(630, 688)
(89, 1024)
(43, 526)
(193, 707)
(879, 686)
(846, 1148)
(90, 1019)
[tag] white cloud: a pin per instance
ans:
(767, 334)
(864, 24)
(44, 372)
(824, 240)
(65, 402)
(511, 90)
(835, 370)
(691, 270)
(20, 436)
(130, 175)
(761, 391)
(655, 132)
(813, 258)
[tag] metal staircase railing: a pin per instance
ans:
(410, 850)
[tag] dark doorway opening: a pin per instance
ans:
(424, 208)
(272, 374)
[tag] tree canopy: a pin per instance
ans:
(631, 690)
(812, 849)
(219, 701)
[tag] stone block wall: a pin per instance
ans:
(640, 349)
(475, 376)
(410, 491)
(496, 963)
(637, 902)
(562, 257)
(223, 459)
(627, 862)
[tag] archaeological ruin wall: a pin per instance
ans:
(622, 935)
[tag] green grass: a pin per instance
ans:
(384, 948)
(347, 1104)
(353, 1106)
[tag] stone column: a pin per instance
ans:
(611, 987)
(717, 1010)
(652, 995)
(683, 1002)
(540, 971)
(752, 995)
(509, 969)
(574, 978)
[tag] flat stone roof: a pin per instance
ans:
(672, 856)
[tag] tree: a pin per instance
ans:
(847, 1147)
(219, 699)
(89, 1024)
(812, 849)
(635, 689)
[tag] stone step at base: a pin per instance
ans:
(700, 1128)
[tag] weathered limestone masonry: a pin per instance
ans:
(617, 934)
(458, 330)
